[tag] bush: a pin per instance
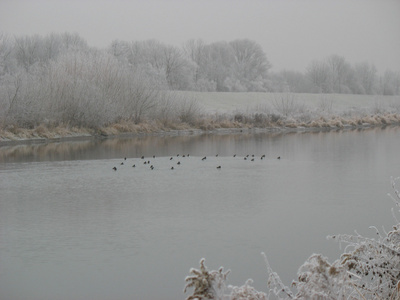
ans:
(370, 269)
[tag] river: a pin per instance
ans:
(73, 228)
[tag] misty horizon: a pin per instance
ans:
(291, 33)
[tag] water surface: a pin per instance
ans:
(72, 228)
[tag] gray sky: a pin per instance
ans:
(292, 32)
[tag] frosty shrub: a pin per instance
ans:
(210, 285)
(374, 264)
(247, 292)
(285, 104)
(369, 268)
(189, 111)
(206, 284)
(325, 104)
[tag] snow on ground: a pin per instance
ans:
(229, 102)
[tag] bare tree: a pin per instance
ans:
(366, 75)
(339, 70)
(318, 73)
(6, 48)
(390, 83)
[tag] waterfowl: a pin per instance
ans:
(133, 166)
(278, 157)
(171, 158)
(142, 157)
(172, 168)
(124, 158)
(122, 163)
(234, 155)
(263, 156)
(178, 163)
(216, 155)
(152, 167)
(115, 168)
(145, 163)
(252, 159)
(245, 158)
(219, 167)
(204, 158)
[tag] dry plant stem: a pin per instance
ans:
(369, 269)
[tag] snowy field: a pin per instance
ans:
(218, 102)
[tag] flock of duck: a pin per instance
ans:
(147, 161)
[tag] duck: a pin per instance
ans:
(122, 163)
(278, 157)
(152, 167)
(133, 166)
(219, 167)
(172, 168)
(115, 168)
(171, 158)
(204, 158)
(142, 157)
(178, 163)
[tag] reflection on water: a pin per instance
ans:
(205, 144)
(72, 228)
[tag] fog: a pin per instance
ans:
(292, 33)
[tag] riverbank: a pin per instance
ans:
(199, 113)
(239, 123)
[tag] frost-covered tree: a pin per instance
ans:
(318, 73)
(366, 75)
(197, 52)
(6, 57)
(390, 83)
(251, 65)
(220, 59)
(338, 73)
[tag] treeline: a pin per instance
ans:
(335, 75)
(60, 77)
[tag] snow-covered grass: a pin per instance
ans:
(209, 111)
(218, 102)
(369, 268)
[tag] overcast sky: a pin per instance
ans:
(292, 32)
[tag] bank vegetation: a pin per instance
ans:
(56, 86)
(369, 268)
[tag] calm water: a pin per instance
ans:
(72, 228)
